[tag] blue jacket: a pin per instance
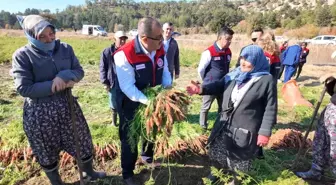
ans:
(34, 70)
(292, 55)
(107, 66)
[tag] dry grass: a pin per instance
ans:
(200, 42)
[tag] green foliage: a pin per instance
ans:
(323, 16)
(227, 17)
(12, 136)
(189, 58)
(11, 175)
(256, 20)
(272, 20)
(87, 50)
(212, 13)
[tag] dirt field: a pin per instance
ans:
(192, 168)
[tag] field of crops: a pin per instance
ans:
(188, 167)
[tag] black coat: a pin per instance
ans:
(255, 115)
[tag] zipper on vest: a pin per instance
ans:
(154, 69)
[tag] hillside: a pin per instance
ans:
(277, 5)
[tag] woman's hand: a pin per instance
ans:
(70, 84)
(58, 85)
(193, 88)
(262, 140)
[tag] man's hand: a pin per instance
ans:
(58, 85)
(193, 88)
(177, 76)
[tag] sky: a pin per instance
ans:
(15, 6)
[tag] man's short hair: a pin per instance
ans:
(223, 31)
(146, 25)
(258, 30)
(167, 24)
(304, 43)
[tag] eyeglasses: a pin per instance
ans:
(157, 39)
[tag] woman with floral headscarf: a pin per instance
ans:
(248, 114)
(42, 70)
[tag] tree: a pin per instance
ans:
(272, 20)
(184, 21)
(323, 16)
(227, 17)
(255, 20)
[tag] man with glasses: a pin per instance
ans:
(214, 65)
(172, 50)
(140, 63)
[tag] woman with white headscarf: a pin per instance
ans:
(42, 70)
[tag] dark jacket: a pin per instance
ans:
(107, 66)
(291, 56)
(34, 70)
(219, 64)
(173, 57)
(256, 113)
(304, 54)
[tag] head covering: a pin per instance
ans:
(255, 55)
(330, 84)
(33, 26)
(120, 34)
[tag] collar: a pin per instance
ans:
(168, 39)
(218, 47)
(141, 47)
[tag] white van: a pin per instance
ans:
(94, 30)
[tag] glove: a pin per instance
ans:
(262, 140)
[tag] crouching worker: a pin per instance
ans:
(43, 69)
(324, 143)
(248, 113)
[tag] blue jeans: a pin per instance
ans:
(289, 72)
(112, 98)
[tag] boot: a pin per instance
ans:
(53, 176)
(204, 120)
(114, 117)
(130, 181)
(314, 173)
(212, 178)
(89, 173)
